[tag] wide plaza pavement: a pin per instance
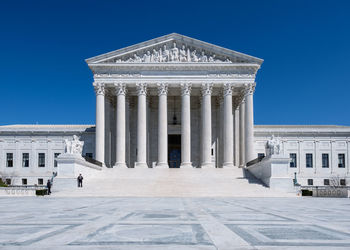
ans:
(174, 223)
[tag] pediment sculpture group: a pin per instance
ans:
(173, 54)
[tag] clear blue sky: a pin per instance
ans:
(305, 44)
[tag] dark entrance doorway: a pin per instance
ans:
(174, 151)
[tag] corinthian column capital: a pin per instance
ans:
(141, 88)
(227, 90)
(249, 89)
(162, 89)
(207, 88)
(186, 88)
(99, 88)
(120, 89)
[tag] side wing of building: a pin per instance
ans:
(28, 152)
(320, 155)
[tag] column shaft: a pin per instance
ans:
(162, 126)
(228, 127)
(141, 126)
(236, 136)
(186, 125)
(249, 125)
(206, 125)
(100, 123)
(121, 145)
(241, 134)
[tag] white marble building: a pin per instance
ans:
(175, 101)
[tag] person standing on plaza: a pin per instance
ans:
(80, 180)
(48, 185)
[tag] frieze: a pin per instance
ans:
(173, 53)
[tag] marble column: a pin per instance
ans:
(249, 124)
(186, 125)
(100, 122)
(206, 125)
(228, 126)
(236, 135)
(141, 160)
(120, 91)
(241, 134)
(162, 125)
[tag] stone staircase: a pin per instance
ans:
(171, 182)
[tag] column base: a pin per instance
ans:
(120, 165)
(227, 165)
(162, 165)
(207, 165)
(186, 165)
(140, 165)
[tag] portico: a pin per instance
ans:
(202, 92)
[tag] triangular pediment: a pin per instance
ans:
(173, 48)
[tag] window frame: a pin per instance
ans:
(39, 162)
(306, 160)
(42, 181)
(7, 159)
(325, 166)
(23, 162)
(341, 165)
(24, 181)
(326, 182)
(294, 160)
(310, 182)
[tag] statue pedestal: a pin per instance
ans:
(273, 172)
(69, 166)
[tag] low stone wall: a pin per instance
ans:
(17, 191)
(273, 172)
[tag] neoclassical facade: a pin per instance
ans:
(174, 102)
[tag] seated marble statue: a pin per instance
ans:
(74, 146)
(273, 146)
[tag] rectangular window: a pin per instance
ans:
(25, 160)
(40, 181)
(342, 182)
(55, 155)
(89, 155)
(293, 161)
(41, 160)
(8, 181)
(326, 182)
(261, 155)
(24, 181)
(310, 182)
(309, 160)
(9, 160)
(341, 160)
(325, 161)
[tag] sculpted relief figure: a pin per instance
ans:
(174, 54)
(147, 57)
(203, 57)
(183, 54)
(155, 56)
(194, 57)
(273, 146)
(163, 54)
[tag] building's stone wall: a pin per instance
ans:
(314, 143)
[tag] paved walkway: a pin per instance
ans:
(174, 223)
